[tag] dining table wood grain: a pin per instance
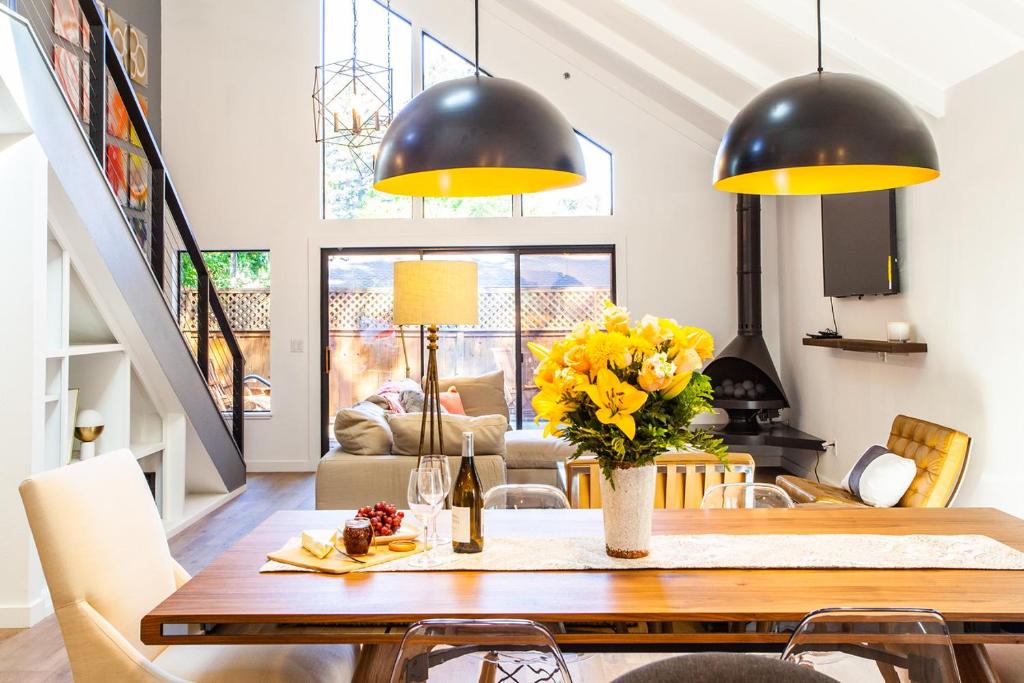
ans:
(238, 604)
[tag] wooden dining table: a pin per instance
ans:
(230, 601)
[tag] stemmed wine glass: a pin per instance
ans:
(426, 494)
(439, 463)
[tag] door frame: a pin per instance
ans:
(517, 251)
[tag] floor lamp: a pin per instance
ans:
(434, 293)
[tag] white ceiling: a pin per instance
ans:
(704, 59)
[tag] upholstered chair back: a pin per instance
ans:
(105, 556)
(941, 457)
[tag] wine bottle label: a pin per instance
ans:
(460, 525)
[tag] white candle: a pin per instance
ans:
(898, 331)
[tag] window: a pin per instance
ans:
(441, 63)
(383, 38)
(556, 288)
(592, 198)
(242, 281)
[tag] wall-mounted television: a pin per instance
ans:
(858, 243)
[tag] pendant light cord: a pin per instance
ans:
(820, 69)
(476, 36)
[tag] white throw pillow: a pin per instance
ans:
(880, 477)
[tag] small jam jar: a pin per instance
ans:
(358, 536)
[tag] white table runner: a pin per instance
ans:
(728, 551)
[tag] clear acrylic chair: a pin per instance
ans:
(525, 497)
(509, 650)
(864, 645)
(743, 495)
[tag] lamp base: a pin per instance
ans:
(431, 401)
(88, 450)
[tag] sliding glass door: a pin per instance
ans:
(525, 294)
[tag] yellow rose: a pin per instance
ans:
(687, 360)
(649, 329)
(583, 330)
(616, 318)
(576, 358)
(656, 373)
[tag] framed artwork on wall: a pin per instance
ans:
(72, 418)
(67, 21)
(68, 67)
(118, 29)
(138, 182)
(117, 115)
(138, 56)
(117, 172)
(140, 228)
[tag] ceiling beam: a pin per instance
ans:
(639, 57)
(868, 59)
(683, 29)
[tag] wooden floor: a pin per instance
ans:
(37, 655)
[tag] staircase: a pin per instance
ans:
(143, 241)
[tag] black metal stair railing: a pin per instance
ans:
(168, 237)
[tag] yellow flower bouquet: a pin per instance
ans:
(626, 392)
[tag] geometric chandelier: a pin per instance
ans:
(353, 103)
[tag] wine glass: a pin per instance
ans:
(425, 496)
(439, 463)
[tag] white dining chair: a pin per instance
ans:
(106, 560)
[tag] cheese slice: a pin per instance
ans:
(319, 542)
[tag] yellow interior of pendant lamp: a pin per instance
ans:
(485, 181)
(826, 179)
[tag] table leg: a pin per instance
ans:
(973, 662)
(375, 663)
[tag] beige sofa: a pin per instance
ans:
(346, 481)
(377, 462)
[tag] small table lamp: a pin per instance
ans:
(88, 427)
(434, 293)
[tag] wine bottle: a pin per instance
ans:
(467, 503)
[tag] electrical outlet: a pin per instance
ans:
(298, 346)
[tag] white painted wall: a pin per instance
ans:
(239, 141)
(961, 252)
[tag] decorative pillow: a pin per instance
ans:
(392, 392)
(363, 429)
(488, 433)
(880, 477)
(451, 402)
(481, 395)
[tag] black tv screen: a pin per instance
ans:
(858, 243)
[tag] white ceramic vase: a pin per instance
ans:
(627, 511)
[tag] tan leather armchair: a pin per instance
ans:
(940, 454)
(107, 563)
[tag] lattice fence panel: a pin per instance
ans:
(542, 309)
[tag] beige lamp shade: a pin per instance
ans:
(435, 293)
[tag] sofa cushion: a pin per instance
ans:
(530, 449)
(880, 478)
(363, 429)
(488, 433)
(346, 482)
(481, 395)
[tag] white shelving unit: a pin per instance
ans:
(85, 355)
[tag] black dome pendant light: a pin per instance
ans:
(473, 137)
(825, 133)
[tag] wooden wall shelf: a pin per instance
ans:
(868, 345)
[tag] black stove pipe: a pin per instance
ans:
(748, 264)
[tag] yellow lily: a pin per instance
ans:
(547, 404)
(616, 401)
(676, 385)
(539, 351)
